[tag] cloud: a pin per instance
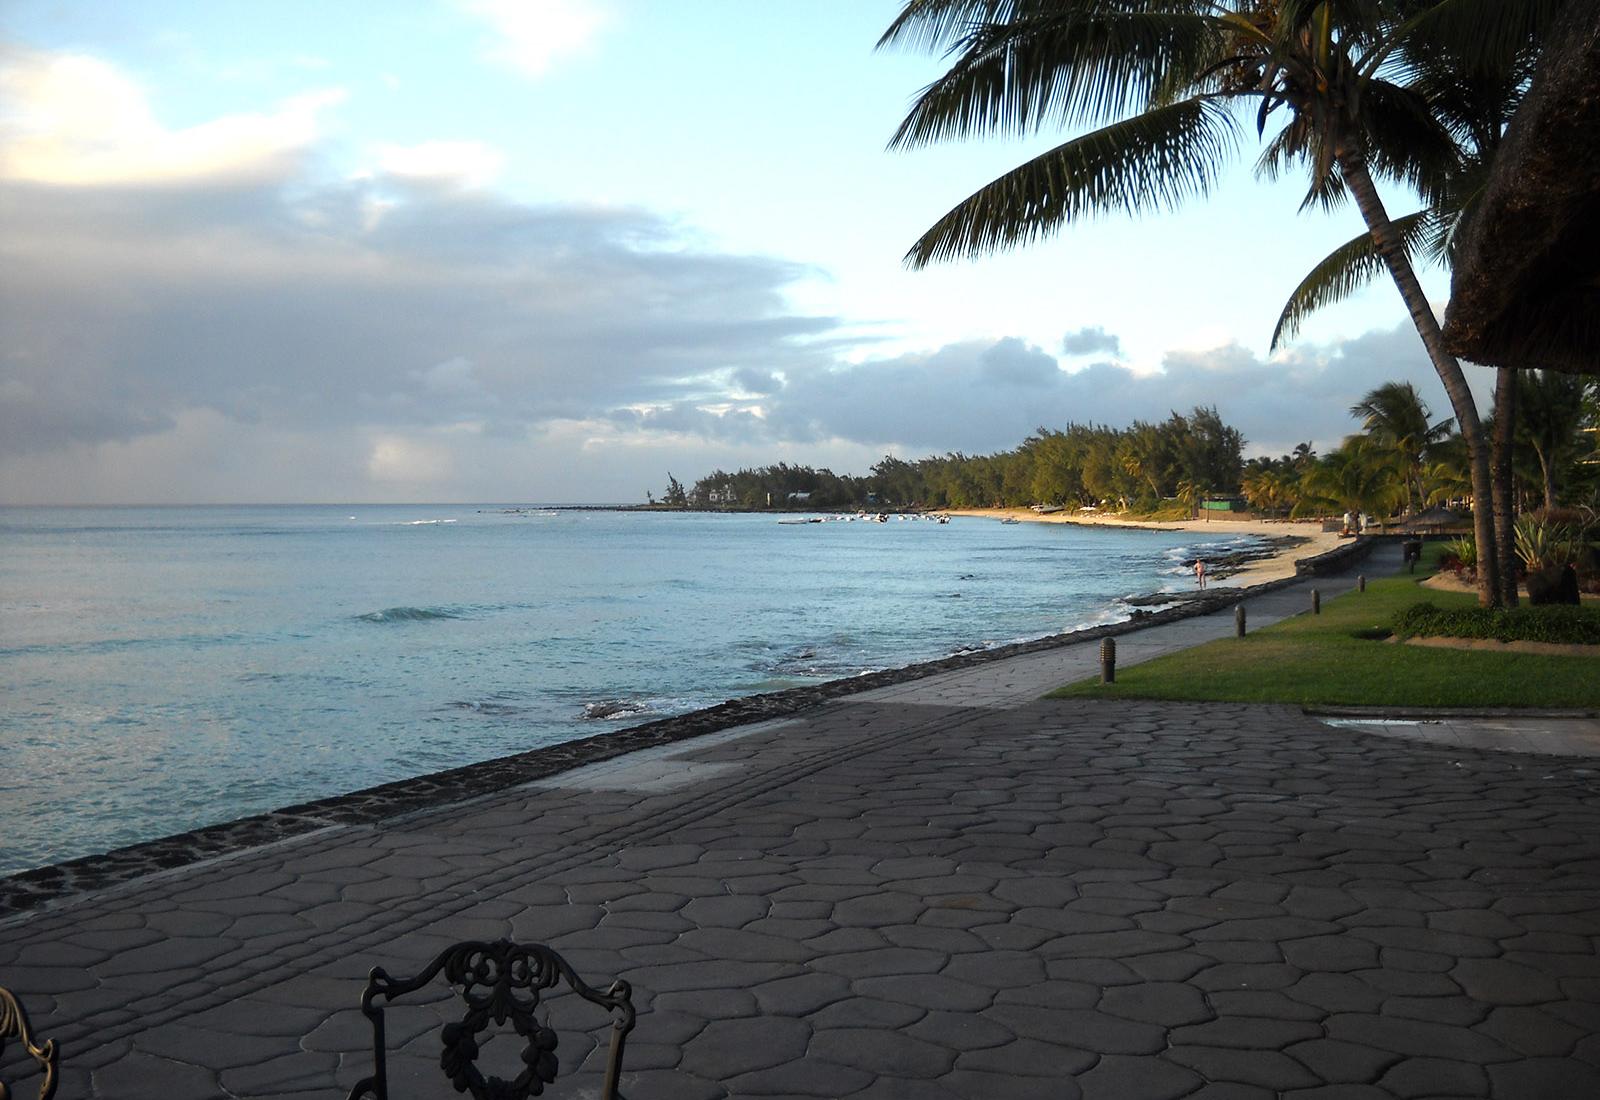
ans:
(75, 120)
(754, 380)
(531, 35)
(200, 319)
(453, 163)
(982, 396)
(1089, 340)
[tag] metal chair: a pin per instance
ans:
(499, 981)
(14, 1025)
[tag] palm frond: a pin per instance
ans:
(1085, 63)
(1404, 140)
(1154, 160)
(1344, 271)
(932, 25)
(1478, 33)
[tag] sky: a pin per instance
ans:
(552, 250)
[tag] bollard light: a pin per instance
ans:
(1108, 660)
(1238, 620)
(1316, 602)
(1361, 583)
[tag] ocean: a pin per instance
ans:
(166, 668)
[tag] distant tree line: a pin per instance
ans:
(1182, 457)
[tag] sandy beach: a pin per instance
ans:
(1277, 567)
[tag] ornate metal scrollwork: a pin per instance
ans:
(499, 982)
(14, 1024)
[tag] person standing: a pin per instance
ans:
(1200, 572)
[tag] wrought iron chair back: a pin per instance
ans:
(499, 981)
(14, 1025)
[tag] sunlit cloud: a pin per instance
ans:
(531, 35)
(459, 163)
(73, 119)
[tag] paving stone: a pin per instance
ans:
(802, 994)
(972, 1085)
(671, 1084)
(1246, 1033)
(1532, 1031)
(1331, 954)
(1233, 1091)
(866, 1012)
(1028, 1058)
(1116, 1077)
(1552, 1078)
(1170, 1004)
(726, 911)
(1417, 1038)
(1460, 1011)
(1232, 976)
(1343, 1063)
(933, 991)
(736, 944)
(708, 1004)
(1082, 1028)
(884, 1053)
(1263, 1068)
(1499, 981)
(809, 1077)
(997, 970)
(1417, 1077)
(880, 961)
(960, 1031)
(728, 1048)
(1172, 966)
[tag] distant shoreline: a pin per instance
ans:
(1299, 539)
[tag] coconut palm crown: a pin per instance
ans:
(1161, 95)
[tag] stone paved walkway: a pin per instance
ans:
(936, 895)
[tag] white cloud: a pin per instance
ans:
(531, 35)
(459, 163)
(411, 462)
(73, 119)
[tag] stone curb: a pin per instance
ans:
(34, 888)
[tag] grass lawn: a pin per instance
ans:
(1322, 659)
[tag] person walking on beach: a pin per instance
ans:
(1200, 572)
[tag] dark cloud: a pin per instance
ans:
(958, 399)
(753, 380)
(1090, 339)
(1011, 362)
(180, 342)
(364, 304)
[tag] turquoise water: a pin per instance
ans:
(165, 668)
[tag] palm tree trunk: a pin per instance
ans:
(1505, 499)
(1547, 477)
(1391, 248)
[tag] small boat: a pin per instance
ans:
(1011, 519)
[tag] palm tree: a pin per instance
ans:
(1395, 416)
(1473, 87)
(1361, 476)
(1554, 411)
(1163, 83)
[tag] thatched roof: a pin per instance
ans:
(1526, 289)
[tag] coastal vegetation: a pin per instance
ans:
(1346, 657)
(1409, 92)
(1402, 460)
(1177, 461)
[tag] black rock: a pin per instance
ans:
(1554, 584)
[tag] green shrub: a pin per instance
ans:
(1540, 544)
(1459, 554)
(1565, 624)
